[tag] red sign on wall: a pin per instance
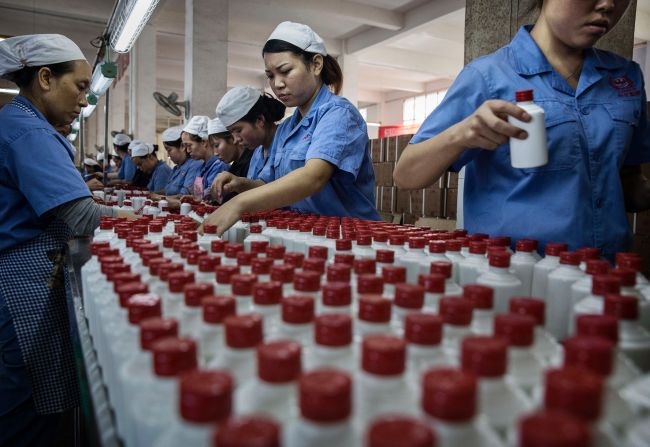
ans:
(394, 131)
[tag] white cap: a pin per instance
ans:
(35, 50)
(198, 125)
(90, 162)
(140, 148)
(100, 156)
(172, 134)
(121, 139)
(236, 104)
(216, 126)
(299, 35)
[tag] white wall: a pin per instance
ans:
(641, 56)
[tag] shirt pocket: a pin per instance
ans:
(292, 156)
(625, 117)
(562, 135)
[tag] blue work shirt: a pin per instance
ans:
(37, 172)
(592, 132)
(257, 163)
(333, 130)
(159, 177)
(182, 177)
(210, 170)
(127, 169)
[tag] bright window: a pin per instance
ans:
(417, 108)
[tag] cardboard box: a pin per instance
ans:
(390, 145)
(403, 201)
(642, 223)
(383, 173)
(402, 142)
(451, 180)
(451, 203)
(409, 219)
(376, 150)
(387, 203)
(433, 202)
(386, 217)
(436, 223)
(416, 207)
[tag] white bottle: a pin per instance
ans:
(449, 401)
(339, 273)
(209, 235)
(398, 429)
(297, 322)
(212, 328)
(545, 345)
(325, 407)
(306, 283)
(558, 300)
(553, 429)
(524, 364)
(628, 287)
(434, 289)
(396, 243)
(446, 268)
(336, 297)
(408, 298)
(594, 302)
(267, 298)
(454, 255)
(523, 263)
(205, 398)
(639, 433)
(582, 287)
(498, 277)
(273, 390)
(255, 236)
(224, 275)
(456, 313)
(423, 333)
(363, 247)
(384, 258)
(332, 344)
(436, 251)
(482, 298)
(374, 315)
(500, 400)
(542, 269)
(255, 430)
(634, 339)
(413, 258)
(532, 151)
(633, 261)
(474, 264)
(192, 312)
(173, 299)
(368, 285)
(206, 268)
(242, 290)
(380, 240)
(382, 387)
(284, 273)
(393, 275)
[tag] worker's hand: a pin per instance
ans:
(224, 217)
(488, 127)
(225, 182)
(95, 185)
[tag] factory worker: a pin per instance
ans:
(195, 142)
(44, 203)
(251, 118)
(597, 131)
(232, 153)
(91, 168)
(145, 159)
(127, 168)
(185, 170)
(320, 156)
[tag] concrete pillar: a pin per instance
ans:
(142, 84)
(350, 67)
(206, 54)
(118, 105)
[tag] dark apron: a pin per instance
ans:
(33, 288)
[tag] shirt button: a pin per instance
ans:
(599, 203)
(585, 110)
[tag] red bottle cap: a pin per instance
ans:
(396, 240)
(294, 258)
(178, 281)
(298, 309)
(242, 284)
(553, 429)
(400, 431)
(570, 258)
(500, 259)
(155, 328)
(574, 391)
(439, 247)
(422, 328)
(306, 281)
(484, 356)
(517, 330)
(142, 306)
(244, 258)
(593, 353)
(409, 296)
(393, 274)
(167, 269)
(605, 326)
(499, 241)
(210, 229)
(344, 258)
(374, 309)
(232, 249)
(587, 253)
(385, 256)
(339, 273)
(279, 361)
(318, 252)
(525, 245)
(442, 268)
(380, 236)
(365, 266)
(123, 278)
(217, 308)
(314, 265)
(218, 246)
(417, 243)
(433, 283)
(194, 293)
(337, 294)
(524, 95)
(205, 396)
(453, 245)
(127, 290)
(208, 264)
(383, 355)
(283, 273)
(155, 264)
(482, 297)
(325, 395)
(626, 275)
(248, 431)
(364, 240)
(555, 248)
(255, 229)
(174, 355)
(243, 331)
(449, 394)
(333, 330)
(261, 266)
(477, 247)
(623, 307)
(370, 284)
(531, 307)
(597, 267)
(97, 245)
(267, 293)
(258, 247)
(343, 245)
(456, 311)
(604, 284)
(224, 273)
(629, 260)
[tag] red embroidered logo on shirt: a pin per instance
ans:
(624, 86)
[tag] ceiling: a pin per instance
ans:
(403, 46)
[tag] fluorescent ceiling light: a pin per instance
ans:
(371, 124)
(88, 110)
(129, 23)
(100, 83)
(9, 91)
(72, 137)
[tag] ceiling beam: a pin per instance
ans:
(413, 19)
(370, 96)
(381, 83)
(411, 61)
(95, 20)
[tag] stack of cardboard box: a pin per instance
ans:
(438, 200)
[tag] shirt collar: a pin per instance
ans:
(323, 96)
(22, 101)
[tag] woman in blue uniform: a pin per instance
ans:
(195, 142)
(43, 205)
(127, 169)
(145, 159)
(252, 119)
(186, 170)
(320, 157)
(596, 122)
